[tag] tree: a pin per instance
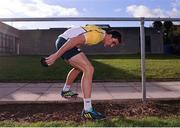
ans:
(168, 25)
(167, 30)
(157, 25)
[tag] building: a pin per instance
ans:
(41, 42)
(9, 40)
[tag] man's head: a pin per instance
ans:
(112, 38)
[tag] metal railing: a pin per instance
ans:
(142, 33)
(87, 19)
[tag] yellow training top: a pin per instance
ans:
(93, 34)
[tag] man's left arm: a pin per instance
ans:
(74, 42)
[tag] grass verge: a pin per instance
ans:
(115, 122)
(111, 67)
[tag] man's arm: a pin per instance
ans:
(79, 40)
(73, 42)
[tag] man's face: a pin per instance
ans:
(110, 42)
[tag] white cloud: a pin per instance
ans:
(33, 8)
(143, 11)
(174, 13)
(175, 3)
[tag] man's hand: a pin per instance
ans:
(51, 59)
(43, 63)
(48, 61)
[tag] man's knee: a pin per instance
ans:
(91, 69)
(88, 68)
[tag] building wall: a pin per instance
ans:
(9, 39)
(42, 42)
(156, 41)
(38, 42)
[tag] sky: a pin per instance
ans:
(85, 8)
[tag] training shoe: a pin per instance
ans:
(68, 94)
(93, 114)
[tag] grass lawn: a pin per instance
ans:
(111, 67)
(115, 122)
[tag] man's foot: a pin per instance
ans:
(93, 114)
(68, 94)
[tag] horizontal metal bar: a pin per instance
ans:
(71, 19)
(161, 19)
(86, 19)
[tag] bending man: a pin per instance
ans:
(68, 49)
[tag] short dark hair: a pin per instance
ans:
(115, 34)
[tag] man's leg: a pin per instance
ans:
(81, 62)
(72, 75)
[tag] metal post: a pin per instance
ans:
(142, 36)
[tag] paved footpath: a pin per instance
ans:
(43, 92)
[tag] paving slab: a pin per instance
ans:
(12, 85)
(124, 92)
(37, 85)
(100, 93)
(26, 94)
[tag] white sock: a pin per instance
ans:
(66, 87)
(87, 104)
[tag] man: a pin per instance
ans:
(67, 46)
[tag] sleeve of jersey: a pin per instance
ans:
(93, 37)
